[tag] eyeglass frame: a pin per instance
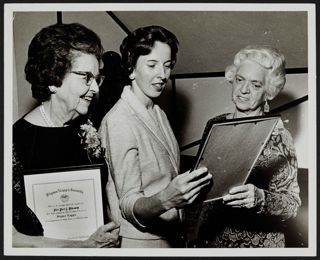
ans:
(89, 77)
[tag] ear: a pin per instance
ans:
(269, 97)
(53, 89)
(132, 76)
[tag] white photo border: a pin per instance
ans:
(9, 9)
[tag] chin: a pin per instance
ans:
(83, 110)
(242, 107)
(156, 94)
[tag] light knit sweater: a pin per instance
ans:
(143, 157)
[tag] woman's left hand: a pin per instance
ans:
(105, 236)
(244, 196)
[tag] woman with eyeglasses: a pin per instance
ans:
(63, 70)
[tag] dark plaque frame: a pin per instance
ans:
(231, 150)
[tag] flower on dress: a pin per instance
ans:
(90, 139)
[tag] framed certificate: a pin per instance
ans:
(69, 202)
(230, 151)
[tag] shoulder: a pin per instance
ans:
(281, 134)
(22, 130)
(117, 122)
(20, 123)
(221, 117)
(119, 113)
(34, 117)
(280, 129)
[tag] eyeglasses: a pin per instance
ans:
(89, 77)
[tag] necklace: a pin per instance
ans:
(45, 117)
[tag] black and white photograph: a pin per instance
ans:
(160, 129)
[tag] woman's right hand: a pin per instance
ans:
(105, 236)
(185, 188)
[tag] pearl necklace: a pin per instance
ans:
(45, 117)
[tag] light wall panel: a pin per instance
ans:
(25, 27)
(101, 23)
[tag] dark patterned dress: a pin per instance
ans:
(214, 224)
(36, 147)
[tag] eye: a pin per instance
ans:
(257, 85)
(168, 66)
(89, 77)
(238, 79)
(151, 65)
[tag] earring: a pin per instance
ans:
(131, 76)
(52, 90)
(266, 107)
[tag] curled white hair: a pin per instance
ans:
(270, 59)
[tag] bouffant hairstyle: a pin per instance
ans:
(141, 41)
(270, 59)
(51, 53)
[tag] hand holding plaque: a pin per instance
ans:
(231, 150)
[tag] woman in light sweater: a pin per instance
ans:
(142, 150)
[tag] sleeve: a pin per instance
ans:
(123, 158)
(23, 218)
(282, 195)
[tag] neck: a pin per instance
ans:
(145, 100)
(54, 114)
(239, 114)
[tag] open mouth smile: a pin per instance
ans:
(87, 98)
(159, 86)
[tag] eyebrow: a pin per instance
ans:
(87, 71)
(158, 61)
(257, 81)
(254, 81)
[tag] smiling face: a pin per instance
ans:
(73, 97)
(151, 73)
(248, 88)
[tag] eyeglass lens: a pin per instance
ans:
(90, 78)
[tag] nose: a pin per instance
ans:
(94, 86)
(245, 87)
(162, 73)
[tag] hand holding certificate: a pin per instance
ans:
(67, 201)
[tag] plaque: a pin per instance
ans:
(230, 151)
(69, 201)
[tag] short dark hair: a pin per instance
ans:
(51, 52)
(141, 41)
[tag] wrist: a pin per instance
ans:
(260, 200)
(164, 201)
(85, 243)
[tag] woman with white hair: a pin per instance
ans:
(251, 214)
